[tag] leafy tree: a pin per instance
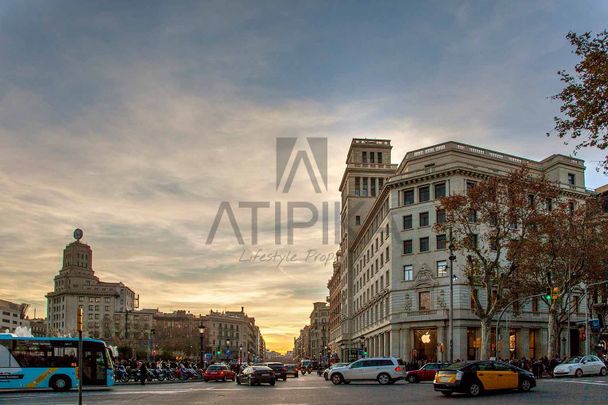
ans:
(566, 247)
(488, 226)
(585, 97)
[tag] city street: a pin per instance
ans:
(314, 390)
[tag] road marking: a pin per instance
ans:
(588, 382)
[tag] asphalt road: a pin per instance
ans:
(311, 389)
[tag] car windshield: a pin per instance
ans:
(214, 368)
(261, 368)
(573, 360)
(338, 365)
(455, 366)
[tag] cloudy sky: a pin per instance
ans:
(133, 120)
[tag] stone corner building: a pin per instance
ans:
(75, 286)
(389, 289)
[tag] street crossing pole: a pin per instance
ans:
(80, 349)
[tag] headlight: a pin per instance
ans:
(459, 375)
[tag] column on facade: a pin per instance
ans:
(382, 353)
(460, 343)
(395, 349)
(387, 343)
(504, 343)
(405, 343)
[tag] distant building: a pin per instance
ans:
(12, 315)
(77, 286)
(39, 327)
(319, 330)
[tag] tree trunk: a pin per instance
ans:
(486, 332)
(553, 333)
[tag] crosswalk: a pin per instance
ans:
(599, 381)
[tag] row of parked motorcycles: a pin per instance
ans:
(124, 374)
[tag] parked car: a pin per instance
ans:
(480, 376)
(292, 370)
(424, 373)
(220, 372)
(256, 375)
(580, 366)
(326, 372)
(385, 370)
(280, 371)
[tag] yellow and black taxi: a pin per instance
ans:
(474, 378)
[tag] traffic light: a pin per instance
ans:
(79, 320)
(555, 293)
(218, 352)
(365, 351)
(548, 294)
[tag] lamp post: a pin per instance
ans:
(342, 346)
(452, 257)
(240, 355)
(201, 334)
(227, 349)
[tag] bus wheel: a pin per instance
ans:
(60, 383)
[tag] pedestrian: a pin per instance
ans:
(143, 373)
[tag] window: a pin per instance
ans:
(549, 204)
(439, 190)
(472, 216)
(535, 304)
(364, 157)
(373, 186)
(380, 183)
(424, 194)
(386, 254)
(357, 185)
(379, 157)
(408, 272)
(408, 197)
(358, 220)
(441, 241)
(473, 240)
(364, 193)
(424, 219)
(424, 300)
(424, 244)
(407, 247)
(80, 299)
(571, 179)
(470, 185)
(372, 157)
(407, 222)
(442, 268)
(440, 216)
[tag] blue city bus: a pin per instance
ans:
(48, 362)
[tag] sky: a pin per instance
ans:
(134, 120)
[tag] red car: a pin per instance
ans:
(219, 372)
(425, 373)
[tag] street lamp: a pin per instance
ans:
(201, 334)
(452, 257)
(227, 349)
(240, 354)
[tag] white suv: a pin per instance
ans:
(385, 370)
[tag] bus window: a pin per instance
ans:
(6, 358)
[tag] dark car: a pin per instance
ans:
(279, 369)
(424, 373)
(292, 370)
(219, 372)
(256, 375)
(476, 377)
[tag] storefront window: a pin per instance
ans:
(425, 344)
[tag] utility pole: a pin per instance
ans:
(80, 350)
(451, 307)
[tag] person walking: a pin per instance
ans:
(143, 373)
